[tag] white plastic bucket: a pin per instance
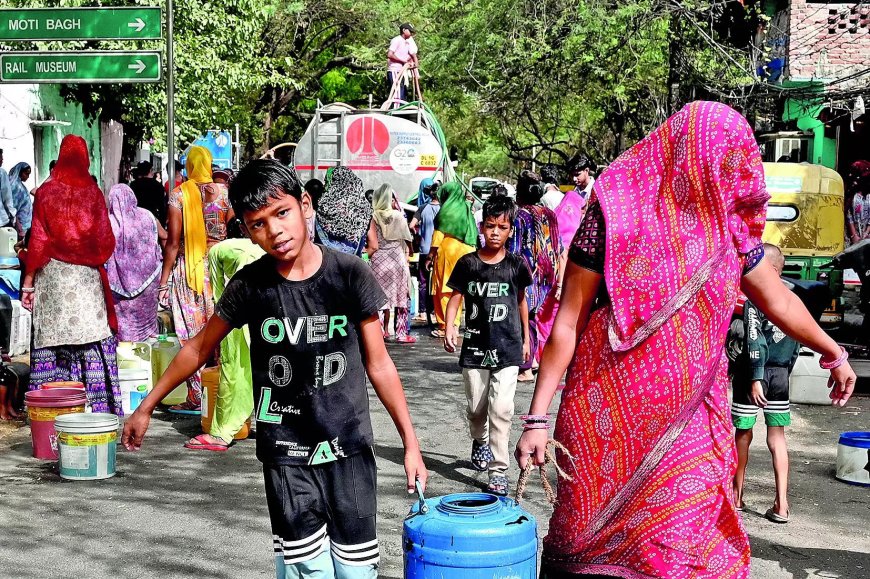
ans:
(135, 385)
(87, 444)
(808, 382)
(853, 458)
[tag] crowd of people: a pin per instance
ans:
(619, 292)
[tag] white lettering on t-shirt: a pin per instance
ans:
(280, 371)
(318, 329)
(498, 312)
(488, 289)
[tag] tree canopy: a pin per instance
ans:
(511, 80)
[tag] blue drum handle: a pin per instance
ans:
(423, 508)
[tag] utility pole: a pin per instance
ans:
(170, 94)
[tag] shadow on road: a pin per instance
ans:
(809, 562)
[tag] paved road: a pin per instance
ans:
(184, 514)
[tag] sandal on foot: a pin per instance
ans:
(774, 517)
(437, 334)
(406, 340)
(481, 455)
(498, 485)
(185, 408)
(200, 442)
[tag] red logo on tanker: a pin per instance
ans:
(368, 136)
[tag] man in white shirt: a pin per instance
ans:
(402, 51)
(553, 195)
(580, 168)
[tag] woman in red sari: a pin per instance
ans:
(673, 230)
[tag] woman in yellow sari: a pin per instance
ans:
(199, 211)
(455, 235)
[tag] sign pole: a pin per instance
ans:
(170, 94)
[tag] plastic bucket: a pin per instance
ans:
(43, 406)
(87, 445)
(134, 388)
(55, 385)
(853, 458)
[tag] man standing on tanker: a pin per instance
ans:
(402, 51)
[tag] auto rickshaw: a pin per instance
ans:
(805, 219)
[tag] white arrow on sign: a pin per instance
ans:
(139, 67)
(138, 24)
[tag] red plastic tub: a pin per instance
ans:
(43, 406)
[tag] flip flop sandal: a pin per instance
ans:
(437, 334)
(203, 444)
(498, 486)
(481, 456)
(406, 340)
(774, 517)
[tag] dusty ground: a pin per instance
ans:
(182, 514)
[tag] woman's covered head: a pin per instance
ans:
(20, 171)
(121, 199)
(382, 199)
(198, 165)
(73, 163)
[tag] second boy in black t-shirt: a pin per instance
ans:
(492, 282)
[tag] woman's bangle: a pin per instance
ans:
(28, 290)
(837, 362)
(535, 421)
(163, 287)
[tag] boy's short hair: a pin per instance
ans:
(580, 162)
(498, 205)
(315, 189)
(259, 181)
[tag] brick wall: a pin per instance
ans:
(828, 41)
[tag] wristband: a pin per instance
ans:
(837, 362)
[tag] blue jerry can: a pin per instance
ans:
(470, 536)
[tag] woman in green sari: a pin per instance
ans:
(455, 235)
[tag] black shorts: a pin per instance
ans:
(326, 506)
(776, 413)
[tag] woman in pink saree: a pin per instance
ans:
(673, 230)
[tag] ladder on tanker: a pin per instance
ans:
(333, 142)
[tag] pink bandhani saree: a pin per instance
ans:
(645, 412)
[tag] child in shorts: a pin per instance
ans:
(492, 282)
(315, 335)
(760, 381)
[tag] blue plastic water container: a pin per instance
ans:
(470, 536)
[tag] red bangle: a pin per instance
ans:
(836, 363)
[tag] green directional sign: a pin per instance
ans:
(80, 67)
(136, 23)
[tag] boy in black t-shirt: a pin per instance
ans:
(313, 315)
(492, 282)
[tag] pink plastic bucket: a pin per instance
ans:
(43, 406)
(56, 385)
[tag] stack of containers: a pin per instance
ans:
(43, 407)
